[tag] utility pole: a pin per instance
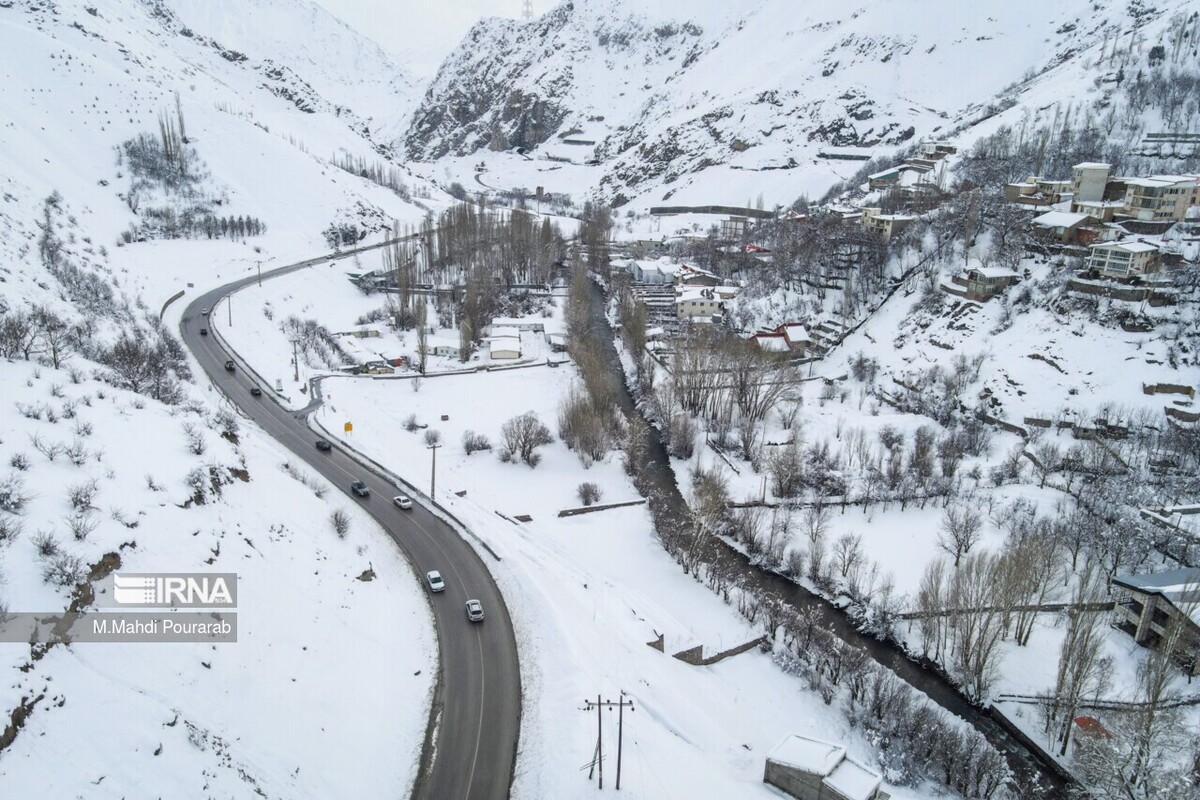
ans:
(433, 470)
(527, 10)
(598, 757)
(260, 272)
(229, 307)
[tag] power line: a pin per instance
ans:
(527, 10)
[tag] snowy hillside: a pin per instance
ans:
(729, 100)
(147, 150)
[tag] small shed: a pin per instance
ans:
(810, 769)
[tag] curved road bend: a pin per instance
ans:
(478, 705)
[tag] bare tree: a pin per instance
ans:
(960, 530)
(522, 436)
(1082, 668)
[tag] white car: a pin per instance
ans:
(436, 584)
(204, 312)
(474, 611)
(402, 501)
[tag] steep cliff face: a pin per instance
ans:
(655, 95)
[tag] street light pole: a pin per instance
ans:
(260, 272)
(229, 307)
(295, 361)
(433, 471)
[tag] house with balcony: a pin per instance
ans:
(873, 219)
(1124, 260)
(1161, 198)
(1162, 607)
(984, 283)
(1060, 226)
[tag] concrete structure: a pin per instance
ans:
(810, 769)
(1158, 606)
(1088, 181)
(1161, 198)
(984, 283)
(886, 224)
(1123, 260)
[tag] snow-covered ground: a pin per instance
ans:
(326, 692)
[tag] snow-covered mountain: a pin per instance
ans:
(672, 102)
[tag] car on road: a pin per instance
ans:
(323, 445)
(402, 501)
(230, 366)
(204, 331)
(255, 391)
(204, 312)
(360, 489)
(474, 611)
(436, 584)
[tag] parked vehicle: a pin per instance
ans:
(474, 611)
(436, 584)
(324, 446)
(402, 501)
(360, 489)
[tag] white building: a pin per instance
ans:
(810, 769)
(1088, 181)
(1124, 259)
(504, 344)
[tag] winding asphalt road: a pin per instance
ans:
(477, 708)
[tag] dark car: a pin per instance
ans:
(360, 489)
(255, 391)
(229, 366)
(324, 446)
(204, 331)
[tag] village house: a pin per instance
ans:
(810, 769)
(1123, 260)
(886, 224)
(1156, 198)
(1064, 227)
(504, 344)
(791, 338)
(984, 283)
(688, 275)
(1035, 191)
(702, 303)
(1161, 198)
(658, 273)
(1163, 604)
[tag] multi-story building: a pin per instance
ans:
(1160, 608)
(1121, 260)
(1088, 181)
(1161, 198)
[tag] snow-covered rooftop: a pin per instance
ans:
(853, 781)
(1092, 165)
(1128, 247)
(810, 755)
(1059, 219)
